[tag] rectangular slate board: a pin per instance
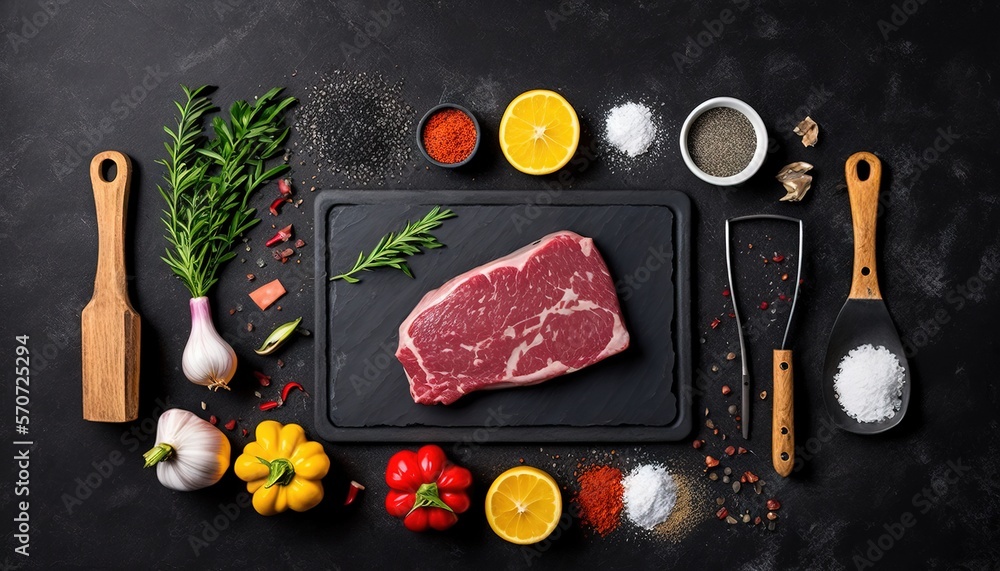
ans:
(640, 395)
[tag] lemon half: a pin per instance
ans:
(539, 132)
(523, 505)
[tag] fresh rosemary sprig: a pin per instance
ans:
(393, 248)
(210, 181)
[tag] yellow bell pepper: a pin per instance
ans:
(283, 469)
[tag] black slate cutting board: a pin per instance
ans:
(638, 395)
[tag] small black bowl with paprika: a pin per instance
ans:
(448, 135)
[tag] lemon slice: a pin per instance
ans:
(539, 132)
(523, 505)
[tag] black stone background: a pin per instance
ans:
(891, 91)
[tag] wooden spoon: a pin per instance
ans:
(864, 318)
(110, 326)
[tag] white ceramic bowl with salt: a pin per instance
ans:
(759, 130)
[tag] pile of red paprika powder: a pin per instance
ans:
(600, 498)
(449, 136)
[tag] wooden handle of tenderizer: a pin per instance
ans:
(782, 415)
(864, 213)
(111, 199)
(110, 327)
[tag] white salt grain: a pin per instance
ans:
(869, 383)
(650, 495)
(630, 128)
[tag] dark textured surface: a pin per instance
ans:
(922, 96)
(640, 388)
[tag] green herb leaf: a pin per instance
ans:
(209, 182)
(393, 248)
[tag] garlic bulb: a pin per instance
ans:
(208, 360)
(190, 453)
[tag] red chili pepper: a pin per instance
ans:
(245, 433)
(264, 380)
(778, 258)
(288, 388)
(425, 489)
(352, 493)
(715, 323)
(276, 205)
(764, 305)
(725, 292)
(213, 419)
(283, 235)
(284, 187)
(231, 424)
(269, 405)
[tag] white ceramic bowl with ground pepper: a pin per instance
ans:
(759, 146)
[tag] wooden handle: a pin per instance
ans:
(111, 198)
(782, 416)
(864, 212)
(110, 328)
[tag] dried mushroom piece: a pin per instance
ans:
(795, 180)
(809, 131)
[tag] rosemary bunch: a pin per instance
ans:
(393, 248)
(210, 181)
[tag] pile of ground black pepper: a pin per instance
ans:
(357, 124)
(722, 141)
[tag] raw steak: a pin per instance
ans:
(545, 310)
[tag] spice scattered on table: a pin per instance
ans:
(650, 494)
(449, 136)
(722, 141)
(600, 498)
(358, 124)
(630, 128)
(869, 383)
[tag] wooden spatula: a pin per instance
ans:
(110, 333)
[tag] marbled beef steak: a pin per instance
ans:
(545, 310)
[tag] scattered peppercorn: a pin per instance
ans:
(764, 305)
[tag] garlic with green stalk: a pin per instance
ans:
(208, 360)
(190, 453)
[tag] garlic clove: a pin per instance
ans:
(208, 360)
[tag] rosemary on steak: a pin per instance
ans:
(393, 248)
(210, 181)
